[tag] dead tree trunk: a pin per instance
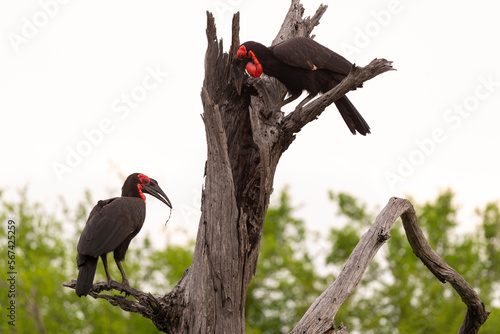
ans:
(245, 139)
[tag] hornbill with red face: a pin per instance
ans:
(300, 63)
(111, 225)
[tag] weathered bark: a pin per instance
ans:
(245, 139)
(476, 313)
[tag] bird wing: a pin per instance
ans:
(306, 53)
(110, 223)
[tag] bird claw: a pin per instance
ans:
(124, 284)
(296, 114)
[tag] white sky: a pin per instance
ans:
(68, 68)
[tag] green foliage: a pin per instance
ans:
(347, 237)
(286, 282)
(167, 267)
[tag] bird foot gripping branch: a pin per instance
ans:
(111, 225)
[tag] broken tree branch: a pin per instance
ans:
(295, 120)
(146, 304)
(296, 26)
(319, 318)
(476, 313)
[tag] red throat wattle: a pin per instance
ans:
(255, 68)
(139, 187)
(144, 180)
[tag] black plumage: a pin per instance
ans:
(301, 63)
(111, 225)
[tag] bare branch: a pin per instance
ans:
(319, 317)
(294, 121)
(146, 304)
(162, 310)
(476, 313)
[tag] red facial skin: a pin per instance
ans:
(144, 180)
(254, 68)
(242, 52)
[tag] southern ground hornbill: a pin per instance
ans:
(300, 64)
(111, 225)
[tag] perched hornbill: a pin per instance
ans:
(300, 64)
(111, 225)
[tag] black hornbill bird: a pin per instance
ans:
(111, 225)
(300, 63)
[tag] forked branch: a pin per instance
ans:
(319, 317)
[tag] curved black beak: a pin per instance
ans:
(154, 190)
(239, 73)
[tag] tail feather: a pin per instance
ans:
(87, 266)
(352, 117)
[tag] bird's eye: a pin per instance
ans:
(144, 179)
(242, 52)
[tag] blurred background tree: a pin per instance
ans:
(396, 295)
(286, 282)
